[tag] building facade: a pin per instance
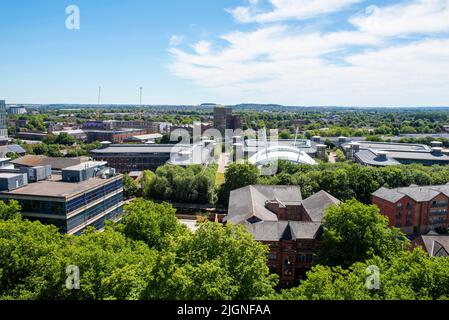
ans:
(278, 217)
(139, 157)
(72, 205)
(224, 119)
(114, 136)
(415, 210)
(3, 121)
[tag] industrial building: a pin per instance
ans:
(390, 154)
(139, 157)
(79, 197)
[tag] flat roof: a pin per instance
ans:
(57, 189)
(140, 148)
(9, 175)
(85, 165)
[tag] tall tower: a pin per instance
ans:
(3, 121)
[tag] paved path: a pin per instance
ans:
(223, 162)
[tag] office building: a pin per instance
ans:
(382, 154)
(114, 136)
(415, 209)
(17, 110)
(224, 119)
(81, 196)
(279, 217)
(139, 157)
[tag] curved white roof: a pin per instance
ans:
(272, 154)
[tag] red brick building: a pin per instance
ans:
(278, 217)
(415, 210)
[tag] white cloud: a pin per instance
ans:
(176, 40)
(408, 17)
(287, 10)
(367, 66)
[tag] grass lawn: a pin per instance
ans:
(219, 179)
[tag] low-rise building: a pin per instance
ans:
(41, 160)
(382, 154)
(139, 157)
(279, 217)
(82, 196)
(114, 136)
(415, 209)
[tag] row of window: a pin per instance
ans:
(301, 258)
(94, 211)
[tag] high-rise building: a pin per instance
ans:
(3, 121)
(223, 119)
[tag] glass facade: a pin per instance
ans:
(64, 209)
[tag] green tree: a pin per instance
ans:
(237, 176)
(130, 187)
(356, 232)
(150, 222)
(10, 210)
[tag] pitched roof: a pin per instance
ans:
(285, 230)
(4, 150)
(56, 163)
(436, 245)
(316, 204)
(417, 193)
(249, 202)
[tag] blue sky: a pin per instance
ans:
(295, 52)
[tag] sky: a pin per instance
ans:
(291, 52)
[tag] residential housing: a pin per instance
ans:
(279, 217)
(415, 209)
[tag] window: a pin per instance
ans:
(272, 256)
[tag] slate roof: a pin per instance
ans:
(286, 230)
(436, 245)
(417, 193)
(247, 207)
(249, 202)
(318, 203)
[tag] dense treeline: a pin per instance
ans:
(344, 180)
(191, 184)
(147, 256)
